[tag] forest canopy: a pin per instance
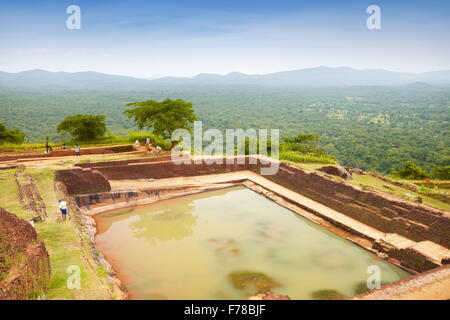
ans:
(371, 128)
(11, 136)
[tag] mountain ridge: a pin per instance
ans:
(321, 76)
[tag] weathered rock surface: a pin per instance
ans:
(337, 171)
(81, 181)
(24, 261)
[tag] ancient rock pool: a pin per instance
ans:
(230, 244)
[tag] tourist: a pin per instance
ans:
(48, 148)
(63, 208)
(77, 150)
(147, 143)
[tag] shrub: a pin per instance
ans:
(141, 136)
(441, 172)
(163, 143)
(410, 171)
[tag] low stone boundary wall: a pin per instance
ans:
(65, 153)
(166, 169)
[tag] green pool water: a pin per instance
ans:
(228, 244)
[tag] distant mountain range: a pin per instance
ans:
(36, 79)
(313, 77)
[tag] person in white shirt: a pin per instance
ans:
(63, 208)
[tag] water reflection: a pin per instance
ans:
(165, 225)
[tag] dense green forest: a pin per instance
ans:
(377, 128)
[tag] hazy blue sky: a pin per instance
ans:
(186, 37)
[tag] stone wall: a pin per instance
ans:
(431, 285)
(81, 181)
(117, 199)
(122, 162)
(64, 153)
(24, 261)
(391, 215)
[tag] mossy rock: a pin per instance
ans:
(252, 282)
(328, 294)
(361, 287)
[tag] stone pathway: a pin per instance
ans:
(430, 285)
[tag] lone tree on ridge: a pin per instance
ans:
(162, 117)
(83, 127)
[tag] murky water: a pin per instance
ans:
(227, 244)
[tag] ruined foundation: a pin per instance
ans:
(411, 235)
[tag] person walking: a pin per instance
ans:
(63, 208)
(77, 150)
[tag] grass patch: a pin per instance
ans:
(306, 158)
(377, 184)
(63, 240)
(10, 195)
(119, 157)
(309, 167)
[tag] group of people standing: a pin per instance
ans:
(148, 144)
(77, 149)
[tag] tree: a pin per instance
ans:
(410, 171)
(304, 143)
(441, 172)
(84, 127)
(11, 136)
(162, 117)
